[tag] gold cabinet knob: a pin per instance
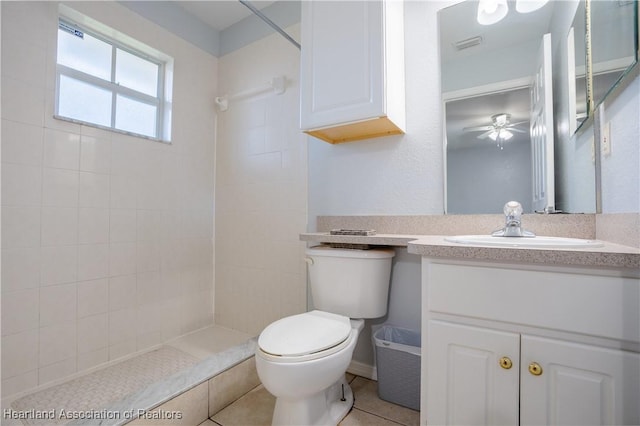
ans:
(505, 362)
(535, 369)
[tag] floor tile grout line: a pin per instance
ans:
(379, 416)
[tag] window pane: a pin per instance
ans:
(87, 54)
(136, 117)
(84, 101)
(136, 73)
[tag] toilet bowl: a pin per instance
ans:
(302, 361)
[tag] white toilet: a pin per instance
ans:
(302, 359)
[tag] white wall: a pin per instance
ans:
(482, 179)
(621, 170)
(261, 190)
(106, 238)
(403, 175)
(396, 174)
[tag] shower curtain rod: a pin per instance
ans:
(269, 22)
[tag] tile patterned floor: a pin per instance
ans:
(256, 408)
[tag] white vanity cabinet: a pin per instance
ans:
(521, 344)
(564, 383)
(352, 69)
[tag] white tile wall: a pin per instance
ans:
(23, 143)
(93, 226)
(95, 154)
(60, 187)
(20, 226)
(61, 149)
(93, 297)
(94, 190)
(58, 265)
(59, 226)
(58, 304)
(92, 333)
(260, 191)
(106, 238)
(18, 271)
(21, 185)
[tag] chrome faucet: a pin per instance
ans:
(513, 222)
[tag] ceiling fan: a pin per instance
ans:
(501, 129)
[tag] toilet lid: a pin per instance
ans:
(304, 334)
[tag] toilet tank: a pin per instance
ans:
(353, 283)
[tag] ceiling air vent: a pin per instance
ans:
(467, 43)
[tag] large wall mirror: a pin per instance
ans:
(516, 74)
(577, 69)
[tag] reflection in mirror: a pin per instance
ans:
(484, 61)
(485, 167)
(487, 72)
(577, 55)
(613, 43)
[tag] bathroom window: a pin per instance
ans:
(106, 83)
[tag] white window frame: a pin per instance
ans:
(162, 129)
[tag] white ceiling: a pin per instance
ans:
(459, 22)
(221, 14)
(477, 111)
(516, 31)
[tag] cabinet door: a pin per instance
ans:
(578, 384)
(341, 62)
(466, 382)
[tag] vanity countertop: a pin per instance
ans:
(609, 255)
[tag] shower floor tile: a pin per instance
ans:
(103, 387)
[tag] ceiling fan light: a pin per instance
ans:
(526, 6)
(500, 120)
(505, 135)
(493, 135)
(491, 11)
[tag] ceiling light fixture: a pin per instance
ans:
(526, 6)
(501, 134)
(491, 11)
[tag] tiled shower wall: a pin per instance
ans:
(260, 190)
(106, 238)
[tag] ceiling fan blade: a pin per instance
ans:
(477, 129)
(514, 129)
(486, 134)
(519, 122)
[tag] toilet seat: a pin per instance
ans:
(303, 337)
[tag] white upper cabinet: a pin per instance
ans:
(352, 69)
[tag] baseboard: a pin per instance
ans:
(362, 369)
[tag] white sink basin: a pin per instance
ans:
(532, 242)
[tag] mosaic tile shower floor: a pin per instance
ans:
(103, 387)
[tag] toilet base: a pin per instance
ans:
(325, 408)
